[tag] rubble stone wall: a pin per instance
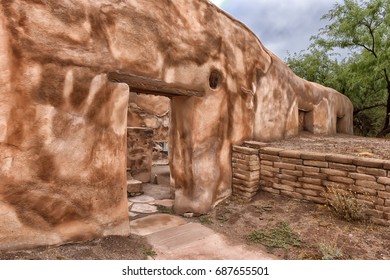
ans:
(139, 154)
(312, 176)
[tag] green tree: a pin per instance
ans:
(364, 28)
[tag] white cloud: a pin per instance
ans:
(282, 25)
(217, 2)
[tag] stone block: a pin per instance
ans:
(272, 158)
(271, 190)
(291, 183)
(250, 174)
(267, 162)
(316, 175)
(375, 213)
(245, 150)
(363, 190)
(382, 208)
(386, 164)
(307, 192)
(307, 169)
(251, 168)
(371, 185)
(297, 173)
(334, 172)
(266, 184)
(246, 189)
(380, 201)
(245, 157)
(284, 165)
(244, 194)
(270, 179)
(313, 156)
(316, 199)
(368, 162)
(315, 163)
(291, 160)
(246, 178)
(387, 202)
(237, 155)
(292, 194)
(384, 180)
(245, 162)
(314, 187)
(372, 171)
(309, 180)
(337, 158)
(360, 176)
(266, 173)
(245, 183)
(339, 166)
(255, 145)
(270, 151)
(134, 187)
(290, 154)
(269, 168)
(283, 187)
(385, 195)
(287, 177)
(340, 179)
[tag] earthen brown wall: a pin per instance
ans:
(311, 176)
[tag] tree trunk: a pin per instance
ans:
(386, 127)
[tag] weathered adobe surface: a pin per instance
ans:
(63, 123)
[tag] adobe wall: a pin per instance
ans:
(309, 176)
(64, 72)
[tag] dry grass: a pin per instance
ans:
(346, 206)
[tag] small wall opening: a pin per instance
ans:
(305, 120)
(339, 125)
(215, 79)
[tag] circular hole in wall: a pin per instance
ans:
(215, 79)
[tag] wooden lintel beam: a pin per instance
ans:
(145, 85)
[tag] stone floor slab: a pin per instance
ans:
(144, 208)
(164, 202)
(196, 242)
(155, 223)
(141, 199)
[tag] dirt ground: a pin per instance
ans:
(339, 144)
(314, 231)
(316, 226)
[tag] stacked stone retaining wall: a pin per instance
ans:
(312, 176)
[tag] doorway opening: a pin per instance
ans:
(147, 137)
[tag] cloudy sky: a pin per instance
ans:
(282, 25)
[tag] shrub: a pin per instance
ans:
(281, 236)
(346, 206)
(206, 220)
(330, 251)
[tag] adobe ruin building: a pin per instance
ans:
(65, 72)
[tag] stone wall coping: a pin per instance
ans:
(245, 150)
(255, 144)
(331, 157)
